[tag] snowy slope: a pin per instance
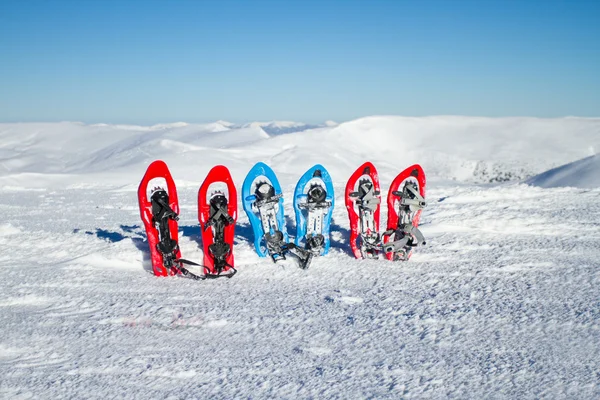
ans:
(501, 303)
(282, 127)
(583, 173)
(451, 148)
(473, 149)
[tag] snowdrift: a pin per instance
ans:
(584, 173)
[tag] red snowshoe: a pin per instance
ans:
(159, 209)
(363, 200)
(217, 213)
(406, 200)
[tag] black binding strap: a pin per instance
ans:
(219, 250)
(162, 214)
(278, 249)
(206, 275)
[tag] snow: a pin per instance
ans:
(284, 127)
(502, 302)
(584, 173)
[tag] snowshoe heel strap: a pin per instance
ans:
(315, 242)
(219, 251)
(275, 245)
(230, 274)
(278, 256)
(167, 246)
(304, 256)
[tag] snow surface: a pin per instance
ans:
(583, 173)
(502, 302)
(283, 127)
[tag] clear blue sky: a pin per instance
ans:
(154, 61)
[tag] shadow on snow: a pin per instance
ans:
(243, 234)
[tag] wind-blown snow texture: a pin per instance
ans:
(503, 302)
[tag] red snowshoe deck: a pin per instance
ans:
(217, 214)
(158, 175)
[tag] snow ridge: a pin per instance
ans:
(461, 149)
(274, 128)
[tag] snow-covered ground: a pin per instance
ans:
(503, 302)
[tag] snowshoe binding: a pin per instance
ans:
(162, 215)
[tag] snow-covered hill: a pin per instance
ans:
(282, 127)
(502, 302)
(450, 148)
(583, 173)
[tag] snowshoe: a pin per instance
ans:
(159, 209)
(313, 204)
(363, 200)
(263, 202)
(406, 200)
(217, 213)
